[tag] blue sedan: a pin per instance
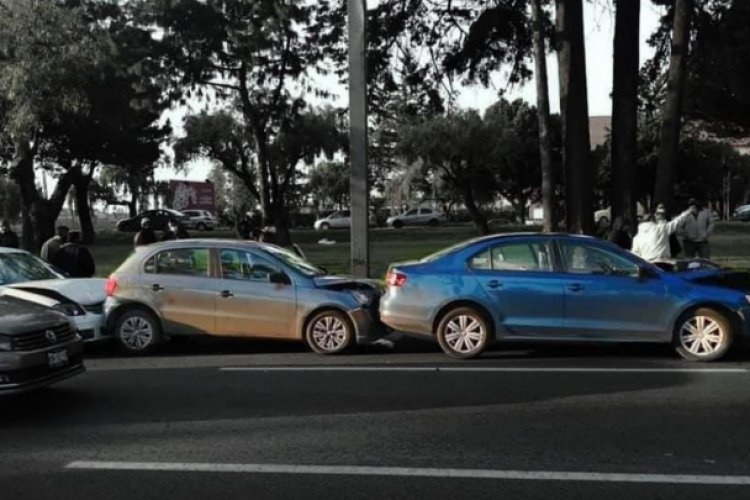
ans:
(557, 287)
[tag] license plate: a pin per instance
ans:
(57, 359)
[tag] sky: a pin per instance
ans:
(599, 28)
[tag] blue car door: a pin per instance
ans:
(519, 279)
(607, 298)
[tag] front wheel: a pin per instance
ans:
(325, 226)
(329, 332)
(137, 331)
(703, 335)
(397, 224)
(463, 333)
(200, 226)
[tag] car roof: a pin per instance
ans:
(207, 243)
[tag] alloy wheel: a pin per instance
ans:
(136, 333)
(701, 336)
(464, 334)
(329, 333)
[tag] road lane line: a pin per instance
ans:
(358, 470)
(478, 369)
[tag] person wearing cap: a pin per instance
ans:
(147, 235)
(8, 238)
(695, 231)
(53, 245)
(652, 241)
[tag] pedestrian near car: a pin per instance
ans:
(74, 258)
(652, 241)
(8, 238)
(175, 231)
(146, 236)
(695, 231)
(621, 234)
(53, 245)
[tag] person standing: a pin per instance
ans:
(147, 235)
(8, 238)
(621, 234)
(74, 258)
(53, 245)
(652, 241)
(695, 231)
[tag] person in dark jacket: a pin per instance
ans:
(621, 235)
(74, 258)
(175, 231)
(147, 235)
(8, 238)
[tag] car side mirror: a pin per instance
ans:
(645, 273)
(279, 278)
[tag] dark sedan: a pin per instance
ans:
(537, 287)
(38, 347)
(159, 220)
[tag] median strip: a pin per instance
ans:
(359, 470)
(477, 369)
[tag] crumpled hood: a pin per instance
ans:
(735, 280)
(83, 291)
(344, 283)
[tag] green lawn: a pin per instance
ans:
(730, 246)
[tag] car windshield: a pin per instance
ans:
(295, 261)
(20, 267)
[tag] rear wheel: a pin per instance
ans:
(200, 226)
(398, 224)
(463, 333)
(329, 332)
(433, 223)
(703, 335)
(137, 331)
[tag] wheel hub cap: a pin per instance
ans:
(136, 333)
(329, 333)
(701, 336)
(464, 334)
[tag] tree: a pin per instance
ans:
(625, 111)
(571, 55)
(328, 184)
(259, 55)
(672, 110)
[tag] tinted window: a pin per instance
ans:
(521, 256)
(238, 265)
(345, 213)
(182, 262)
(425, 211)
(411, 212)
(585, 259)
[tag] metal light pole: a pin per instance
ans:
(358, 186)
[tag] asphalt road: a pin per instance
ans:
(218, 419)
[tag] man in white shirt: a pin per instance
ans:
(652, 241)
(695, 231)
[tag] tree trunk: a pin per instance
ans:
(625, 111)
(479, 219)
(571, 55)
(22, 172)
(81, 182)
(542, 106)
(672, 110)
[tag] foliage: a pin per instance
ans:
(328, 184)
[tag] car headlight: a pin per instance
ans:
(69, 309)
(361, 297)
(5, 343)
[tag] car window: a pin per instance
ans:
(346, 213)
(20, 267)
(180, 262)
(581, 258)
(518, 256)
(245, 266)
(425, 211)
(411, 212)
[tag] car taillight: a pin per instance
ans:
(395, 278)
(110, 286)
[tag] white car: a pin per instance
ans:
(202, 220)
(604, 217)
(417, 217)
(340, 219)
(26, 277)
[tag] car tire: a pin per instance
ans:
(433, 223)
(703, 335)
(325, 226)
(137, 331)
(397, 224)
(329, 332)
(463, 333)
(200, 226)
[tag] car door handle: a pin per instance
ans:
(157, 287)
(575, 287)
(494, 284)
(226, 294)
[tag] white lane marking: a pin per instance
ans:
(359, 470)
(480, 369)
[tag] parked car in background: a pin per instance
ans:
(200, 220)
(742, 213)
(417, 217)
(24, 276)
(160, 218)
(555, 287)
(604, 217)
(236, 289)
(38, 347)
(340, 219)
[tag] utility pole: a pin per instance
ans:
(358, 186)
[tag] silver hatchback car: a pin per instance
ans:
(236, 289)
